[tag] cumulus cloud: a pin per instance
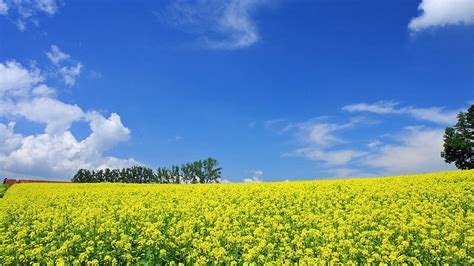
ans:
(25, 12)
(55, 157)
(417, 150)
(67, 67)
(439, 13)
(9, 140)
(56, 115)
(225, 24)
(54, 153)
(433, 114)
(106, 132)
(17, 80)
(256, 177)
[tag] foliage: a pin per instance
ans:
(3, 190)
(202, 171)
(459, 141)
(416, 219)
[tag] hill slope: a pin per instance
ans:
(414, 218)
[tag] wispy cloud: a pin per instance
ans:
(433, 114)
(223, 24)
(322, 133)
(3, 8)
(416, 150)
(330, 157)
(56, 56)
(318, 137)
(381, 107)
(67, 67)
(440, 13)
(25, 12)
(342, 151)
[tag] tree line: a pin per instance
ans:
(201, 171)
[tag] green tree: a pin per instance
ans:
(202, 171)
(198, 174)
(459, 141)
(83, 176)
(163, 175)
(175, 174)
(188, 173)
(212, 173)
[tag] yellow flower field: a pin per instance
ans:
(411, 219)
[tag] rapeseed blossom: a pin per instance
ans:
(413, 219)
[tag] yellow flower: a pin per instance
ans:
(393, 220)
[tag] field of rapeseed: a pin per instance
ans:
(415, 219)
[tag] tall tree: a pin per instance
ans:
(175, 174)
(198, 174)
(459, 141)
(163, 175)
(212, 173)
(187, 172)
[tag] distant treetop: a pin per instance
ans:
(202, 171)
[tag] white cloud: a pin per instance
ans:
(50, 7)
(25, 12)
(55, 153)
(43, 91)
(55, 157)
(113, 162)
(57, 115)
(256, 177)
(433, 114)
(418, 150)
(9, 140)
(3, 8)
(331, 158)
(17, 80)
(67, 67)
(440, 13)
(321, 133)
(106, 132)
(70, 73)
(56, 55)
(317, 137)
(381, 107)
(225, 24)
(374, 143)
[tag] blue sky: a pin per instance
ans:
(274, 90)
